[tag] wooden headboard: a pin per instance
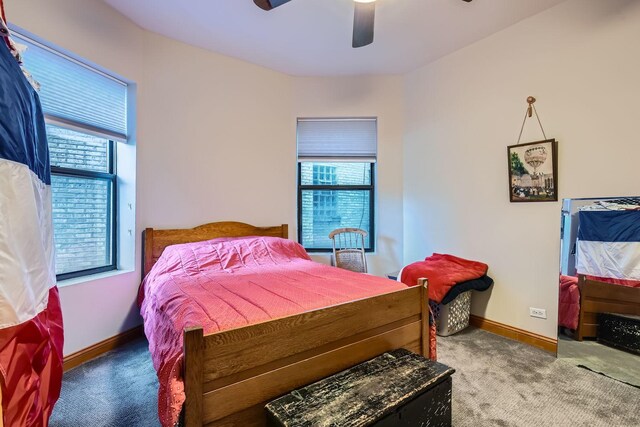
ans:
(154, 241)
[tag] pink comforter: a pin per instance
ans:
(228, 283)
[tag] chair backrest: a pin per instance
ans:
(348, 249)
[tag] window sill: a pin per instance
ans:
(92, 278)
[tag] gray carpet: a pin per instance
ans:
(119, 389)
(617, 364)
(498, 382)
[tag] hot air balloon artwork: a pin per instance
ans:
(533, 171)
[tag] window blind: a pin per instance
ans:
(337, 138)
(75, 93)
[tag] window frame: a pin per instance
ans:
(364, 187)
(114, 132)
(112, 203)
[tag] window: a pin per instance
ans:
(83, 188)
(325, 202)
(85, 112)
(336, 170)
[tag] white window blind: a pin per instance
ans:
(75, 93)
(337, 138)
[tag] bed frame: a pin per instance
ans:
(229, 376)
(600, 297)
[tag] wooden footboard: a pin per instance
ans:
(600, 297)
(230, 375)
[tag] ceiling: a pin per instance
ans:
(313, 37)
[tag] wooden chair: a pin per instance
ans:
(348, 249)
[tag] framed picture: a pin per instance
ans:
(533, 171)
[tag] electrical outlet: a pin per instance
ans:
(538, 312)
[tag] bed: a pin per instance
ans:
(582, 298)
(597, 296)
(230, 374)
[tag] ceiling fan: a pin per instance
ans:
(363, 18)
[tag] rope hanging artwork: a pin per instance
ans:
(533, 166)
(528, 114)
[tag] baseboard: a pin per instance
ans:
(84, 355)
(545, 343)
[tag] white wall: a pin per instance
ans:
(580, 59)
(367, 96)
(219, 139)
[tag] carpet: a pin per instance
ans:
(118, 389)
(498, 382)
(612, 362)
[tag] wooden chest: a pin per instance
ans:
(398, 388)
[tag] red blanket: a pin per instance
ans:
(444, 272)
(224, 284)
(569, 306)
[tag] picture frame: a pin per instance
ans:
(533, 171)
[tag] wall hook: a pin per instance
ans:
(530, 100)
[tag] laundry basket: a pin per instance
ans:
(452, 317)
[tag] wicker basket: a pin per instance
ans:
(452, 317)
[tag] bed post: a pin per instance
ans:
(285, 231)
(147, 251)
(424, 305)
(193, 376)
(581, 288)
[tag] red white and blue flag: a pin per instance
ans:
(609, 245)
(31, 336)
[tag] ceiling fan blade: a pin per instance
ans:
(363, 23)
(270, 4)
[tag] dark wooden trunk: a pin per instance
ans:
(431, 408)
(398, 389)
